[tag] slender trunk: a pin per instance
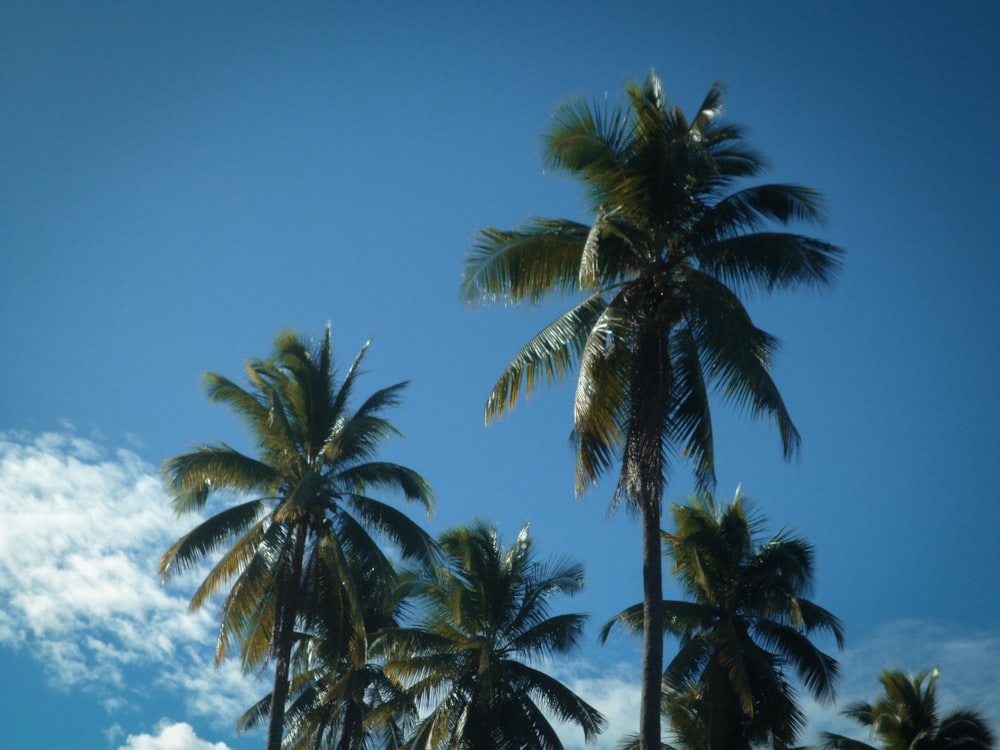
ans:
(287, 611)
(650, 396)
(652, 628)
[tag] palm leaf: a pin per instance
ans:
(547, 357)
(525, 264)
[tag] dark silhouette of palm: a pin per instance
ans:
(906, 717)
(303, 509)
(485, 619)
(745, 628)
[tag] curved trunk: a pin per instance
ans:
(285, 617)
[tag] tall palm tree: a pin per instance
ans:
(302, 508)
(747, 626)
(485, 618)
(673, 245)
(906, 717)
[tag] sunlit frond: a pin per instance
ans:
(547, 357)
(211, 535)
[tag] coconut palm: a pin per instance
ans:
(302, 508)
(906, 717)
(485, 619)
(674, 244)
(340, 698)
(744, 632)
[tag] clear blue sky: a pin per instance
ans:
(181, 181)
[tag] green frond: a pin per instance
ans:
(586, 138)
(548, 357)
(356, 437)
(630, 619)
(389, 477)
(766, 261)
(209, 537)
(391, 524)
(249, 406)
(690, 422)
(190, 477)
(526, 264)
(693, 655)
(558, 634)
(232, 563)
(601, 399)
(737, 354)
(818, 671)
(562, 702)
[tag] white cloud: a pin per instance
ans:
(82, 535)
(179, 736)
(612, 689)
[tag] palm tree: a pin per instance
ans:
(745, 628)
(340, 697)
(672, 246)
(906, 717)
(302, 509)
(485, 618)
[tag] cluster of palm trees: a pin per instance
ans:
(381, 636)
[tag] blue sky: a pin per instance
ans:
(181, 181)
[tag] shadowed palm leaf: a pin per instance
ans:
(485, 616)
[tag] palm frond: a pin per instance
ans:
(549, 355)
(737, 355)
(525, 264)
(586, 138)
(191, 477)
(210, 536)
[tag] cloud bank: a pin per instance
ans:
(82, 534)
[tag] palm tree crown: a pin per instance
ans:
(906, 717)
(485, 617)
(674, 243)
(746, 625)
(309, 513)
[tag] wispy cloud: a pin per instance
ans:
(82, 534)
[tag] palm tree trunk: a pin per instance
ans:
(652, 628)
(287, 605)
(650, 391)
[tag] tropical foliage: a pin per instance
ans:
(340, 697)
(906, 717)
(744, 632)
(485, 621)
(675, 241)
(381, 637)
(304, 516)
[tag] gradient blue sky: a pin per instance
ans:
(180, 181)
